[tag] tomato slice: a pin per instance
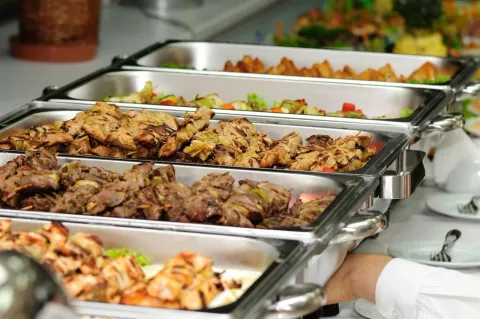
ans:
(348, 107)
(276, 110)
(376, 145)
(154, 95)
(228, 107)
(168, 102)
(359, 111)
(328, 170)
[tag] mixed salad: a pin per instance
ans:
(253, 102)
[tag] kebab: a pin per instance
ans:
(105, 130)
(35, 182)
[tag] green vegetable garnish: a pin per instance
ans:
(121, 252)
(173, 65)
(406, 113)
(465, 109)
(256, 101)
(438, 80)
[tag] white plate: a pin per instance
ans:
(472, 126)
(447, 204)
(366, 309)
(463, 256)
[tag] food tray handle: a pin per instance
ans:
(471, 90)
(443, 123)
(362, 225)
(409, 173)
(296, 301)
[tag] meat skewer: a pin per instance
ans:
(106, 130)
(36, 182)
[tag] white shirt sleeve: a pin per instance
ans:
(406, 290)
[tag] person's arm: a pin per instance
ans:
(403, 289)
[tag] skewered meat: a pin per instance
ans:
(107, 131)
(282, 151)
(144, 192)
(192, 124)
(187, 280)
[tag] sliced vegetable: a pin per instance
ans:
(376, 145)
(256, 102)
(406, 113)
(276, 110)
(172, 65)
(228, 107)
(348, 107)
(328, 170)
(115, 253)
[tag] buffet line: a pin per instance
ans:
(195, 180)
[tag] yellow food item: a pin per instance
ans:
(384, 6)
(422, 44)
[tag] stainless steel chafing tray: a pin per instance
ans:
(394, 144)
(212, 57)
(274, 260)
(352, 192)
(373, 100)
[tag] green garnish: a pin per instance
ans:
(256, 101)
(107, 98)
(465, 109)
(438, 80)
(173, 65)
(406, 113)
(121, 252)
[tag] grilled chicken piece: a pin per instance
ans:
(215, 185)
(192, 124)
(86, 287)
(5, 227)
(121, 274)
(282, 151)
(80, 146)
(203, 144)
(169, 283)
(306, 158)
(56, 233)
(225, 155)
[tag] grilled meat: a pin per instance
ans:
(282, 151)
(142, 192)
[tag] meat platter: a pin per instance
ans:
(213, 57)
(260, 266)
(262, 204)
(398, 108)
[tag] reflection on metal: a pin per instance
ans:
(27, 290)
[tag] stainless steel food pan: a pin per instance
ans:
(352, 192)
(212, 57)
(375, 101)
(38, 113)
(273, 261)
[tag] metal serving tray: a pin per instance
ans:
(373, 100)
(352, 192)
(275, 261)
(212, 57)
(394, 144)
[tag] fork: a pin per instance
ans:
(450, 239)
(471, 208)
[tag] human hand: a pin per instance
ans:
(356, 278)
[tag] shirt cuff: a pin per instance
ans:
(398, 287)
